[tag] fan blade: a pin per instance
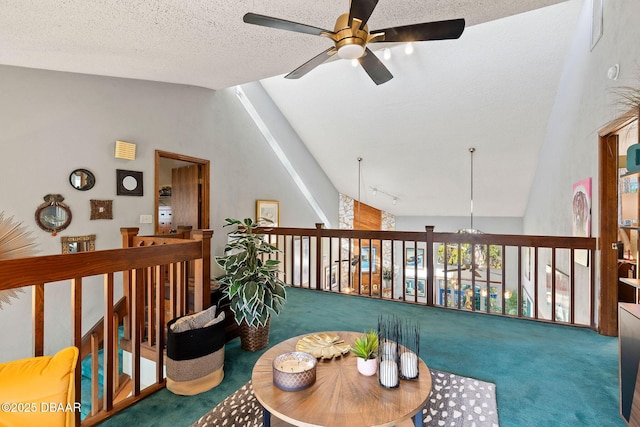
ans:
(282, 24)
(439, 30)
(375, 68)
(311, 64)
(361, 9)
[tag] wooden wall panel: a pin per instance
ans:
(366, 217)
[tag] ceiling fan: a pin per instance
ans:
(351, 36)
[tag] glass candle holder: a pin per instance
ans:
(389, 367)
(388, 374)
(409, 365)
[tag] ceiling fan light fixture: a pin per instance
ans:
(351, 36)
(351, 51)
(408, 49)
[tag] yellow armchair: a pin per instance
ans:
(39, 391)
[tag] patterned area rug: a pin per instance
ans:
(455, 401)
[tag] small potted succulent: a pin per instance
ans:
(365, 349)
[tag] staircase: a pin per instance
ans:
(124, 381)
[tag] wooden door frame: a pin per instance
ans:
(608, 224)
(204, 190)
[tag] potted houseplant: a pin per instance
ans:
(387, 275)
(365, 349)
(251, 283)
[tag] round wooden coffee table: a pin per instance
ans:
(341, 396)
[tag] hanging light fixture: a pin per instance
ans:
(470, 230)
(478, 253)
(359, 177)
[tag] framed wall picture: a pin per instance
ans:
(268, 213)
(581, 208)
(301, 272)
(331, 277)
(101, 209)
(368, 259)
(410, 287)
(563, 284)
(527, 263)
(129, 183)
(410, 257)
(581, 216)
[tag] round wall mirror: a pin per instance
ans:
(82, 179)
(53, 215)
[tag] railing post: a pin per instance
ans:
(202, 273)
(429, 264)
(127, 233)
(185, 231)
(76, 328)
(37, 313)
(110, 335)
(319, 227)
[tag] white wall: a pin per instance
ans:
(446, 224)
(54, 122)
(584, 104)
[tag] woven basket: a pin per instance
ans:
(254, 338)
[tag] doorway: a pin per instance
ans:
(613, 140)
(182, 192)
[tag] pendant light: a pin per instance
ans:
(470, 230)
(359, 177)
(476, 249)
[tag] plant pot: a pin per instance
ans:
(367, 367)
(254, 338)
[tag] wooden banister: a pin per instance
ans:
(142, 263)
(484, 291)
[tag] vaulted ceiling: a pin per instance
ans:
(492, 89)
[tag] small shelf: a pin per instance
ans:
(630, 227)
(624, 175)
(630, 281)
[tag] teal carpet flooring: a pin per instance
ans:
(545, 375)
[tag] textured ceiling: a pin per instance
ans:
(492, 89)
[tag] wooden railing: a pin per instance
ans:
(501, 274)
(143, 264)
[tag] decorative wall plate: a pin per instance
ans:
(323, 345)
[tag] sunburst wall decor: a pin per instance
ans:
(15, 242)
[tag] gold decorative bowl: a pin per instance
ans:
(323, 345)
(294, 371)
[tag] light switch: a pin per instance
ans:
(146, 219)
